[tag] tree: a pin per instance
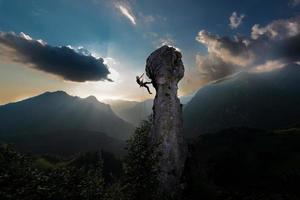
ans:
(141, 165)
(20, 178)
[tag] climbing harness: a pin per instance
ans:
(140, 81)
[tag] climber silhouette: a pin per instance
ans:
(141, 82)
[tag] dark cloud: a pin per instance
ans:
(233, 51)
(277, 44)
(66, 62)
(213, 67)
(290, 49)
(294, 3)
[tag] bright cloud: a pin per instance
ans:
(236, 20)
(278, 29)
(269, 66)
(168, 40)
(126, 11)
(270, 47)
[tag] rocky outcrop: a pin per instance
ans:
(165, 68)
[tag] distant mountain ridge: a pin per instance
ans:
(58, 111)
(135, 112)
(269, 100)
(119, 104)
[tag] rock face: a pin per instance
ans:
(165, 68)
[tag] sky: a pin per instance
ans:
(97, 47)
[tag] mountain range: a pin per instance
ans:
(54, 121)
(57, 122)
(55, 111)
(268, 100)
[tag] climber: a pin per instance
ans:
(141, 83)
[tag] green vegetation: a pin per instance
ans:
(89, 176)
(233, 164)
(22, 177)
(141, 166)
(244, 164)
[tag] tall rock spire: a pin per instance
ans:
(165, 68)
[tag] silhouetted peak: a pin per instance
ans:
(55, 93)
(92, 98)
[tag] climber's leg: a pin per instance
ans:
(147, 89)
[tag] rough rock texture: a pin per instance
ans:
(165, 68)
